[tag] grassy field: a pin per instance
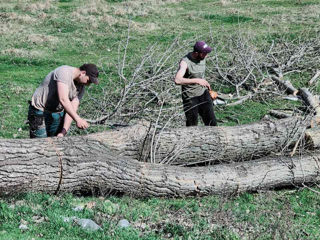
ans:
(38, 36)
(288, 214)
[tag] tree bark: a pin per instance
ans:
(180, 146)
(312, 137)
(192, 145)
(65, 168)
(109, 161)
(188, 146)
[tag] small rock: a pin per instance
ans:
(69, 219)
(123, 223)
(215, 226)
(78, 208)
(87, 224)
(38, 219)
(24, 222)
(143, 226)
(23, 227)
(311, 213)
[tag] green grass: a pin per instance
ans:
(288, 214)
(289, 3)
(228, 19)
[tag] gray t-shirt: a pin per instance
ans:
(196, 69)
(45, 98)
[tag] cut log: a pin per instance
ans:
(180, 146)
(285, 85)
(310, 100)
(30, 167)
(100, 161)
(312, 136)
(187, 146)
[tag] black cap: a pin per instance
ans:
(91, 71)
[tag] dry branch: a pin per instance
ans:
(310, 100)
(241, 100)
(280, 114)
(142, 83)
(285, 85)
(314, 78)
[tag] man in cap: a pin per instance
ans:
(195, 89)
(55, 102)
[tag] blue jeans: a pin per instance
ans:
(44, 124)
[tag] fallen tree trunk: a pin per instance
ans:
(180, 146)
(99, 161)
(49, 171)
(188, 146)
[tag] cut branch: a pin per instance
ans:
(285, 85)
(310, 100)
(314, 78)
(280, 114)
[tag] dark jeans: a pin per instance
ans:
(199, 105)
(44, 124)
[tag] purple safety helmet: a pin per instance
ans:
(202, 47)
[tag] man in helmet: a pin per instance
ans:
(195, 89)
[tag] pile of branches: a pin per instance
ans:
(142, 87)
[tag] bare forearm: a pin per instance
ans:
(69, 109)
(67, 119)
(63, 93)
(67, 122)
(186, 81)
(180, 80)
